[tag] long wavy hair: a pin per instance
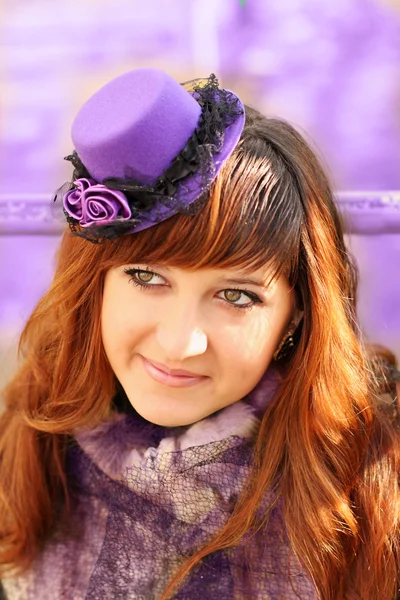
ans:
(322, 442)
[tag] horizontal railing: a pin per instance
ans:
(370, 212)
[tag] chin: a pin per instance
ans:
(167, 420)
(164, 416)
(170, 407)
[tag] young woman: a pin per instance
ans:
(196, 414)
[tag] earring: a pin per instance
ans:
(287, 343)
(284, 347)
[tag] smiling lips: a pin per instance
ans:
(171, 377)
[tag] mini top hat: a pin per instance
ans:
(147, 148)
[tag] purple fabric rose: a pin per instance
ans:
(93, 203)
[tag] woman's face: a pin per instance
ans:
(184, 344)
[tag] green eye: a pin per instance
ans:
(144, 276)
(232, 295)
(239, 298)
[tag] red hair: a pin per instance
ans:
(322, 442)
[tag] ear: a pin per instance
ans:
(296, 318)
(298, 311)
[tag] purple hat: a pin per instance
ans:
(147, 148)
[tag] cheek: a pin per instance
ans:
(255, 341)
(127, 319)
(119, 323)
(248, 351)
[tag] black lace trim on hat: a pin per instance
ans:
(219, 109)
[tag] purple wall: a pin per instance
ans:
(332, 69)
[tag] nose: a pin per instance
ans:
(181, 336)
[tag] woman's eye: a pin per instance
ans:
(144, 277)
(240, 298)
(232, 296)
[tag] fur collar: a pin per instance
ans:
(123, 441)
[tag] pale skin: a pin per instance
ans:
(215, 324)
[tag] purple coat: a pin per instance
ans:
(144, 497)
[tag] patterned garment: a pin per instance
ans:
(145, 497)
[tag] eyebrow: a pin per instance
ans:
(230, 281)
(245, 281)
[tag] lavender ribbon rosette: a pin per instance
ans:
(92, 203)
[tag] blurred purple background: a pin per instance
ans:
(331, 68)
